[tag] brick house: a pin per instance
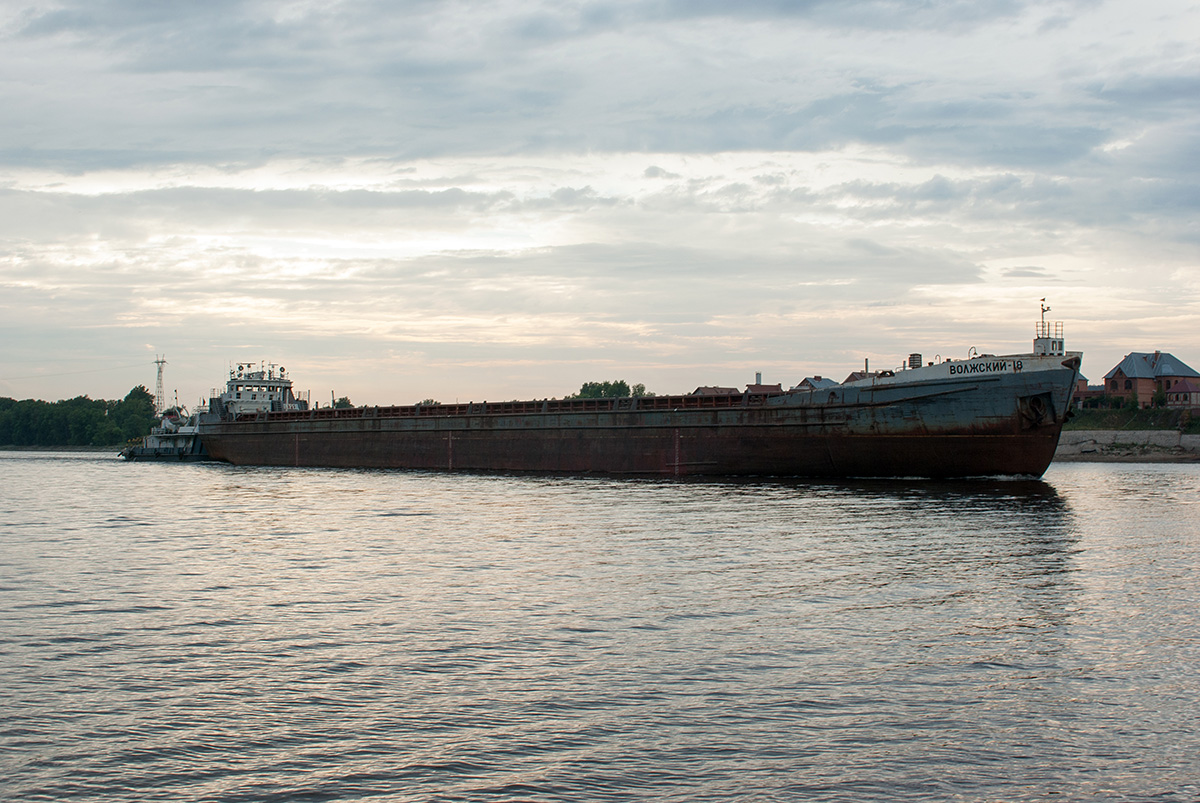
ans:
(1142, 374)
(1085, 392)
(1184, 395)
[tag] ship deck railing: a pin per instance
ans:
(534, 407)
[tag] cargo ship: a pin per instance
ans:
(981, 416)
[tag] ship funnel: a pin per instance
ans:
(914, 360)
(758, 377)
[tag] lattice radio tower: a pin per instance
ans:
(159, 400)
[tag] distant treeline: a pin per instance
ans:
(76, 422)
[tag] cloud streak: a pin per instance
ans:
(525, 195)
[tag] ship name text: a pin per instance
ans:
(989, 367)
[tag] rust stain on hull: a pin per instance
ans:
(652, 453)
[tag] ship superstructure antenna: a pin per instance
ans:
(159, 396)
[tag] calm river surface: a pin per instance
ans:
(204, 632)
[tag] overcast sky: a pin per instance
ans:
(470, 200)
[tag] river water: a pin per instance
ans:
(205, 632)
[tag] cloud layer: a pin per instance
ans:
(469, 200)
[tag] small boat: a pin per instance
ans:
(176, 438)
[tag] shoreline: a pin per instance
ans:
(1127, 446)
(11, 448)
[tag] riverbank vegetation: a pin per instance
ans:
(76, 422)
(1131, 418)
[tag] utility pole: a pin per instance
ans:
(159, 400)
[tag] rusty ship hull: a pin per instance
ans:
(987, 416)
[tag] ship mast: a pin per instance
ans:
(1049, 339)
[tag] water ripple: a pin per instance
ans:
(268, 634)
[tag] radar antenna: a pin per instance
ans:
(159, 396)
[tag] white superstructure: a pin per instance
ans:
(259, 388)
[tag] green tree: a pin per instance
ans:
(6, 407)
(343, 402)
(617, 389)
(80, 421)
(134, 414)
(107, 433)
(31, 425)
(614, 389)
